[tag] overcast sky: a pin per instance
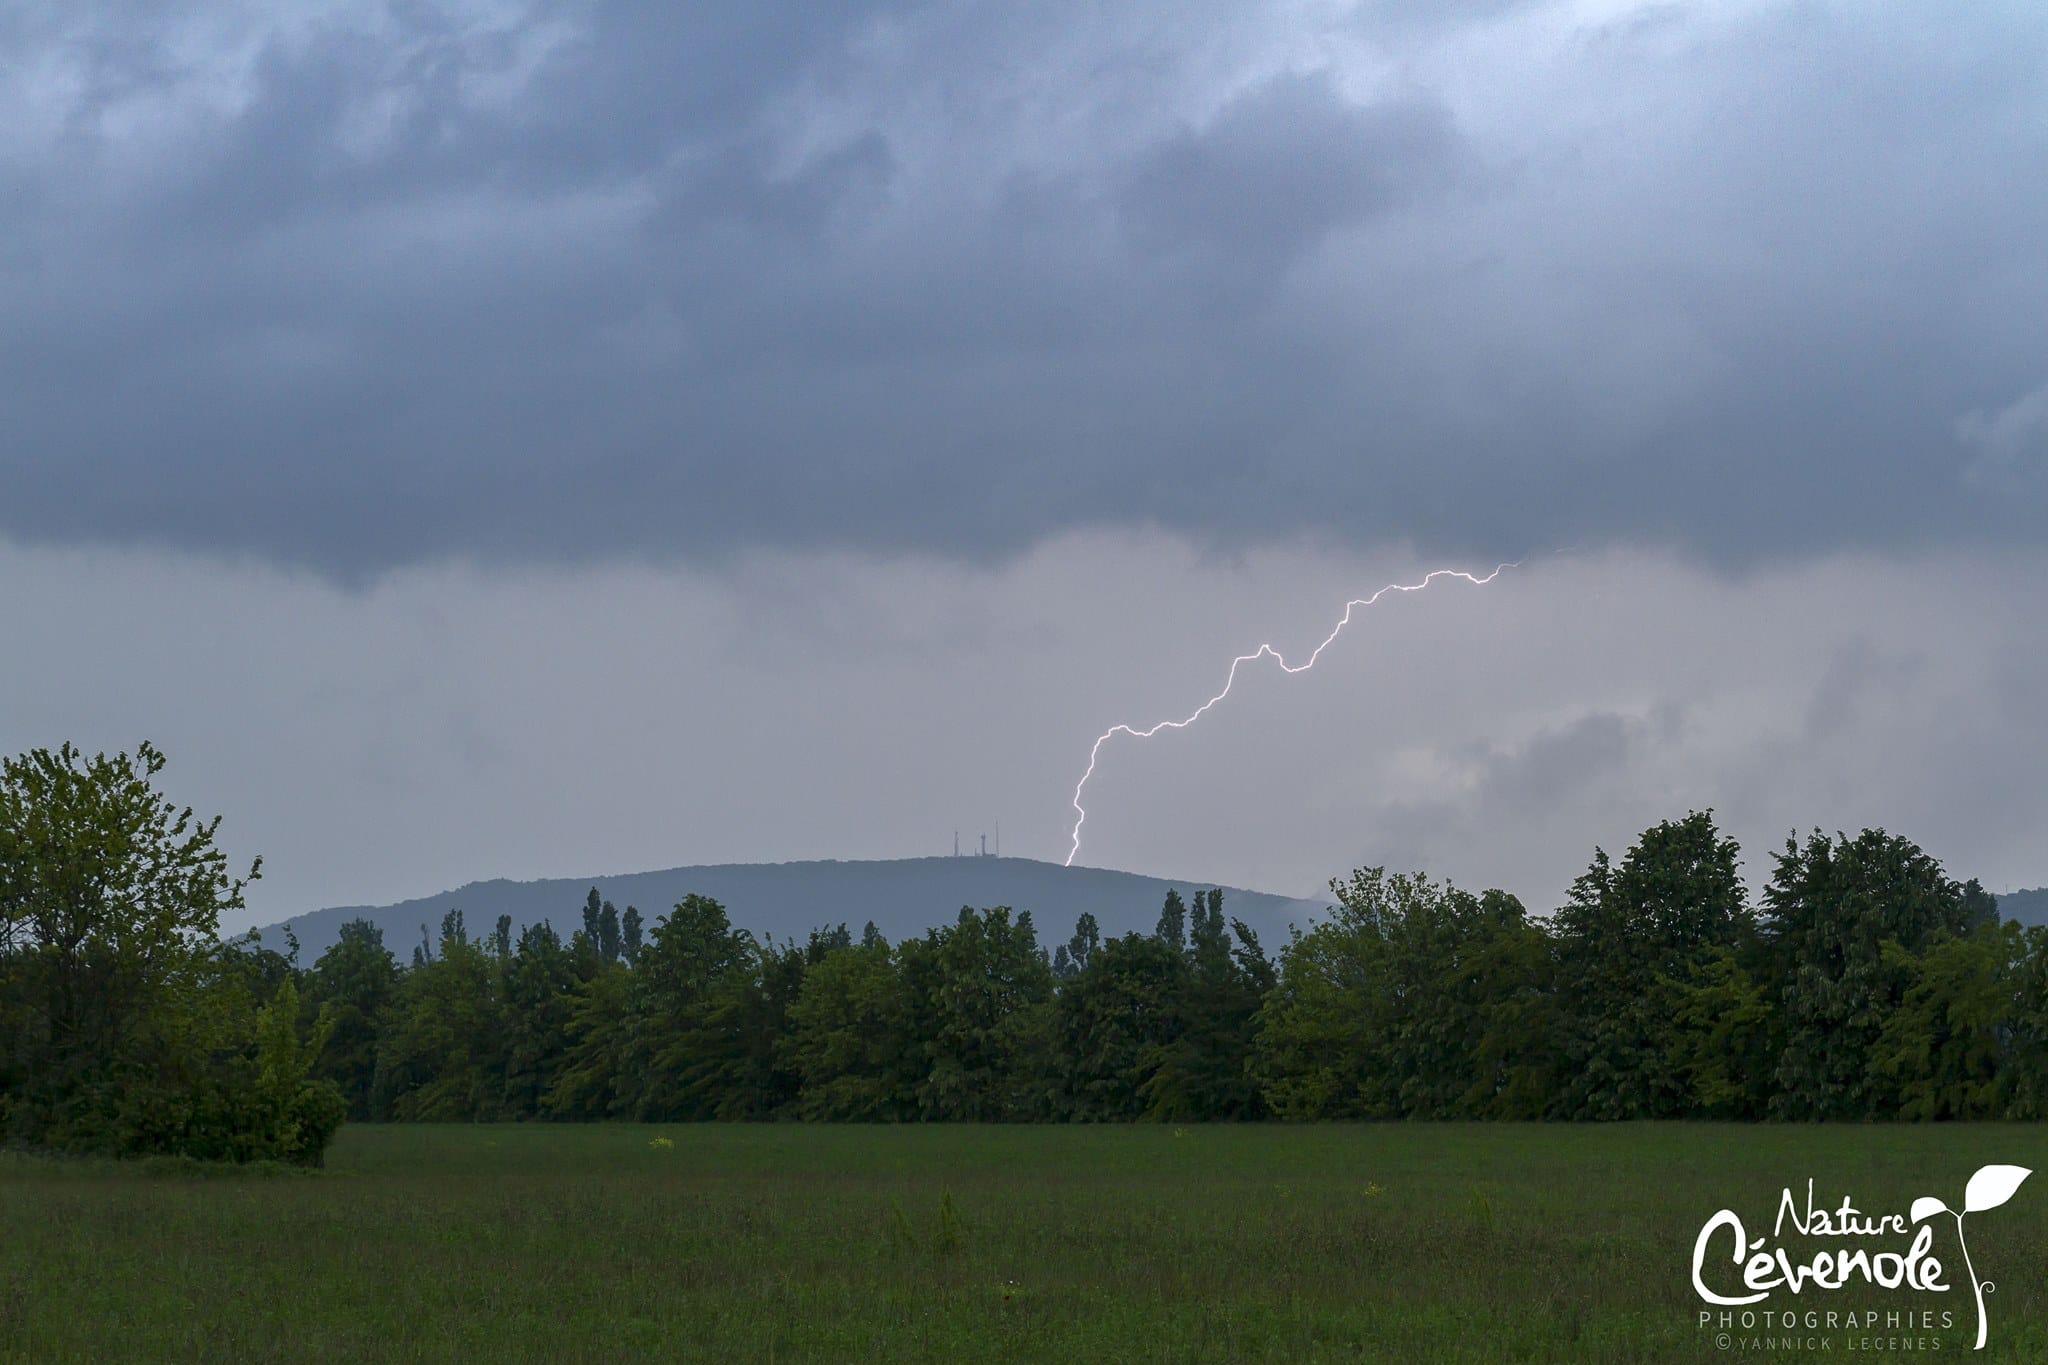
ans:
(481, 439)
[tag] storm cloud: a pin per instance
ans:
(484, 439)
(357, 286)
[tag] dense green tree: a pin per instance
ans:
(1630, 938)
(1087, 938)
(293, 1116)
(753, 1008)
(1202, 1068)
(1979, 906)
(849, 1040)
(981, 998)
(536, 991)
(1322, 1043)
(1070, 959)
(441, 1057)
(261, 971)
(1831, 907)
(1719, 1047)
(2024, 1059)
(629, 934)
(353, 983)
(1507, 975)
(1108, 1023)
(598, 1037)
(1173, 921)
(1942, 1046)
(686, 1053)
(826, 941)
(1381, 1010)
(110, 904)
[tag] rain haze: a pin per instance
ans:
(481, 440)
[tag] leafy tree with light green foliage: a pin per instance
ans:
(1943, 1046)
(1383, 1011)
(597, 1038)
(126, 1026)
(1723, 1032)
(295, 1119)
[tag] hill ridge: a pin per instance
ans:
(903, 896)
(2028, 907)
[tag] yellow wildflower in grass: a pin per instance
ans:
(662, 1144)
(1373, 1189)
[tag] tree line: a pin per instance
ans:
(1864, 983)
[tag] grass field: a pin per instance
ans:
(1407, 1243)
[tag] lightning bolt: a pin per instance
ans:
(1263, 651)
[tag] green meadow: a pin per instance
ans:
(786, 1242)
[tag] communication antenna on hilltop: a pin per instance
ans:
(956, 843)
(999, 838)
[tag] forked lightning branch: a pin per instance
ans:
(1264, 651)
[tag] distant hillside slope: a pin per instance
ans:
(904, 897)
(2028, 907)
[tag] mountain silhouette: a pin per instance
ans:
(903, 896)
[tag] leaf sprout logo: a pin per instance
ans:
(1765, 1269)
(1990, 1187)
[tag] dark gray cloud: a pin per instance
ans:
(389, 283)
(1275, 171)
